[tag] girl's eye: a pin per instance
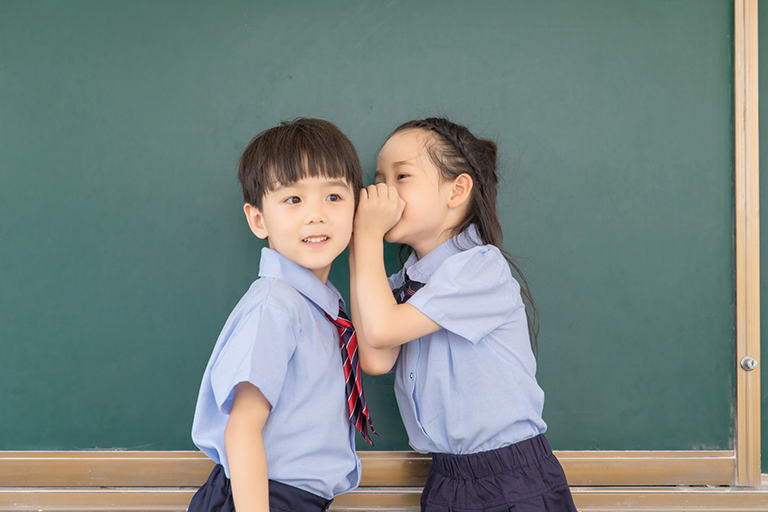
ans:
(293, 200)
(401, 176)
(333, 197)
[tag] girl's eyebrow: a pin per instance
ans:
(338, 183)
(395, 165)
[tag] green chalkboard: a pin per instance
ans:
(123, 245)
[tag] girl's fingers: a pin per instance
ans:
(381, 189)
(388, 196)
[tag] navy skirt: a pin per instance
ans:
(523, 477)
(216, 496)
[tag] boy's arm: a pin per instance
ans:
(373, 361)
(385, 323)
(245, 449)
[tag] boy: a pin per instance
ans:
(273, 409)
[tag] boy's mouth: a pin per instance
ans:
(315, 239)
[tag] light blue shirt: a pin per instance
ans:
(471, 386)
(279, 339)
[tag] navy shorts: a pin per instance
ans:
(216, 496)
(523, 477)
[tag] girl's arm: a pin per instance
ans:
(245, 449)
(385, 323)
(373, 361)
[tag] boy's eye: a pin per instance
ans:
(333, 197)
(293, 200)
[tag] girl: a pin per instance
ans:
(456, 330)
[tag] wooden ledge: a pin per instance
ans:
(702, 499)
(400, 469)
(391, 499)
(391, 481)
(659, 468)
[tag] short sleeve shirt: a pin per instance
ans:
(470, 386)
(279, 339)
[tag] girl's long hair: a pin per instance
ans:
(455, 150)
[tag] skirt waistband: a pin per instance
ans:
(483, 464)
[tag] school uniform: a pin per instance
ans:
(468, 392)
(279, 339)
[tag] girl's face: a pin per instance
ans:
(427, 220)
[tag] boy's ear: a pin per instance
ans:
(255, 220)
(460, 190)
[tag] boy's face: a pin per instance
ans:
(309, 221)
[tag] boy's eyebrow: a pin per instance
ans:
(333, 183)
(338, 183)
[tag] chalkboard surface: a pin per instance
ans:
(123, 246)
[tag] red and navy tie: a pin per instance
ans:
(358, 407)
(405, 292)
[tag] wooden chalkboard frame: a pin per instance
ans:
(747, 168)
(739, 467)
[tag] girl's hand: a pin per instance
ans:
(379, 209)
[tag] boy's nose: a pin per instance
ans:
(315, 214)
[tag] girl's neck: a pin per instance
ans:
(427, 246)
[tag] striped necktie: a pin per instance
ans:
(358, 407)
(405, 292)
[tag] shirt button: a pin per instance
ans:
(411, 375)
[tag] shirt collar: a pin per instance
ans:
(422, 269)
(325, 296)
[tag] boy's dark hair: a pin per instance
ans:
(297, 149)
(454, 150)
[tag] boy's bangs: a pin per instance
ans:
(307, 165)
(297, 149)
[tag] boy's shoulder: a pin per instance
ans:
(270, 306)
(273, 293)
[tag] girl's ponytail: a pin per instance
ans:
(490, 148)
